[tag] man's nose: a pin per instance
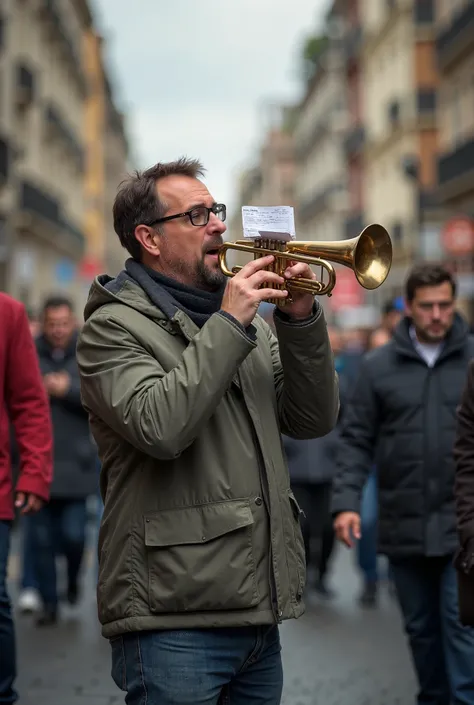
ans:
(216, 225)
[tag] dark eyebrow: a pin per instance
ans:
(196, 205)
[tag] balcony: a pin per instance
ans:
(57, 126)
(317, 202)
(4, 161)
(424, 13)
(51, 16)
(456, 171)
(354, 225)
(48, 209)
(25, 86)
(456, 40)
(426, 100)
(354, 141)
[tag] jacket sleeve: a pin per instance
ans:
(28, 409)
(357, 438)
(72, 399)
(464, 460)
(305, 379)
(160, 412)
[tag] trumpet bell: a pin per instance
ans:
(372, 256)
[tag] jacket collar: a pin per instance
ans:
(454, 341)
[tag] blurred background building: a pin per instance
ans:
(384, 132)
(63, 150)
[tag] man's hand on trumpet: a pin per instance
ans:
(243, 294)
(302, 301)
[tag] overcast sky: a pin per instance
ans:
(194, 75)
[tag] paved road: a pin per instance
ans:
(337, 654)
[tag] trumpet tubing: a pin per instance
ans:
(369, 255)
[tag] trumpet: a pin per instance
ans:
(369, 255)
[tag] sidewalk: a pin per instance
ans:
(336, 654)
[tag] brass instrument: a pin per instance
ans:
(369, 255)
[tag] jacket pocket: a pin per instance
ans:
(297, 556)
(201, 558)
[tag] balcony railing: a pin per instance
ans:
(4, 160)
(25, 85)
(316, 202)
(424, 12)
(426, 101)
(454, 41)
(52, 15)
(56, 122)
(34, 200)
(355, 140)
(456, 164)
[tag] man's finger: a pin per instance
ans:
(299, 269)
(254, 266)
(20, 499)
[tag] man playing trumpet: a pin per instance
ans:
(188, 391)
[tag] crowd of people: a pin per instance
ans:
(238, 441)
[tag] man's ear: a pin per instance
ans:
(148, 238)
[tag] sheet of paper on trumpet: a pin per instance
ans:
(273, 222)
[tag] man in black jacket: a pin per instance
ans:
(402, 415)
(60, 525)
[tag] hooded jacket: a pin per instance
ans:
(200, 527)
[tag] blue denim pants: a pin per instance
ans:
(442, 649)
(59, 527)
(7, 632)
(367, 545)
(228, 666)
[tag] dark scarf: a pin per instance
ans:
(198, 304)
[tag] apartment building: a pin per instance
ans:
(455, 54)
(400, 82)
(321, 193)
(349, 12)
(42, 92)
(107, 163)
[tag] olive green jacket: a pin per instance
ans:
(200, 527)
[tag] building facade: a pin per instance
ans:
(321, 187)
(107, 164)
(455, 58)
(43, 87)
(400, 82)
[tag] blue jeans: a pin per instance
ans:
(237, 666)
(28, 578)
(59, 527)
(442, 649)
(367, 545)
(7, 632)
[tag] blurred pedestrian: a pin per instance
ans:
(61, 524)
(402, 415)
(367, 544)
(312, 465)
(464, 495)
(201, 554)
(24, 404)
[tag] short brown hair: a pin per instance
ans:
(137, 201)
(428, 274)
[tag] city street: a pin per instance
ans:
(337, 654)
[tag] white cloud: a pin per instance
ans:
(194, 75)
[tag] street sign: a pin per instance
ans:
(458, 236)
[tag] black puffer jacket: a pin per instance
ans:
(402, 414)
(75, 457)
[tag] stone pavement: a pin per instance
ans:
(336, 654)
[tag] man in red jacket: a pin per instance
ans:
(24, 404)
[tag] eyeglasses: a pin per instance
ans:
(198, 216)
